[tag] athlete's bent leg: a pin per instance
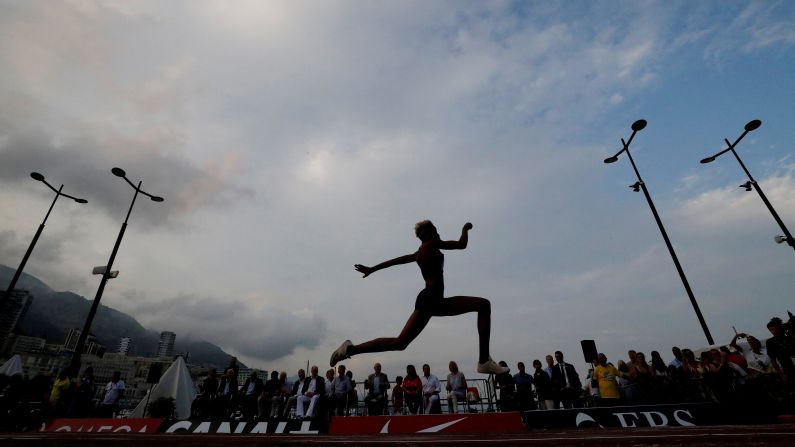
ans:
(415, 324)
(458, 305)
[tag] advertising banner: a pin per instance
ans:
(670, 415)
(102, 425)
(431, 423)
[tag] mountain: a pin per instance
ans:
(52, 314)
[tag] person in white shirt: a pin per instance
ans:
(314, 386)
(114, 391)
(431, 387)
(456, 387)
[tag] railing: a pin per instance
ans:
(486, 393)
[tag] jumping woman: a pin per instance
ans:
(430, 302)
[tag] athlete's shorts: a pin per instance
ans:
(429, 301)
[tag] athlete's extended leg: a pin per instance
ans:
(415, 324)
(458, 305)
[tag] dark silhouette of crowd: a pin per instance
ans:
(747, 370)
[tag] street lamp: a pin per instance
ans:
(106, 271)
(751, 126)
(640, 185)
(18, 273)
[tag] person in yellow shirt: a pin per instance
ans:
(605, 379)
(59, 396)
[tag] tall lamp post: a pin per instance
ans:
(18, 273)
(751, 183)
(107, 274)
(640, 185)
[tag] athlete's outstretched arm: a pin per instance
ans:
(406, 259)
(461, 243)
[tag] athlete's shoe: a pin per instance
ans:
(491, 367)
(341, 353)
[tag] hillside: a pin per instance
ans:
(53, 313)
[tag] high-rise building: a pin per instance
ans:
(71, 339)
(165, 347)
(23, 343)
(13, 311)
(74, 335)
(124, 346)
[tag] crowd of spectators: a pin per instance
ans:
(746, 370)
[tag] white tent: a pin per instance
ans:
(175, 383)
(12, 366)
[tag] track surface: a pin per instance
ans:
(723, 436)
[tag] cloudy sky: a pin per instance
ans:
(294, 139)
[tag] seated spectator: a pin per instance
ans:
(265, 395)
(250, 397)
(226, 398)
(340, 387)
(292, 400)
(280, 396)
(377, 385)
(397, 396)
(313, 388)
(507, 389)
(524, 388)
(456, 388)
(543, 385)
(431, 387)
(412, 390)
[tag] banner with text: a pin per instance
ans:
(670, 415)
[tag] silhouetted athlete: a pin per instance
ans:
(431, 301)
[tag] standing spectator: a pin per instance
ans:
(550, 365)
(456, 387)
(524, 388)
(377, 385)
(678, 361)
(412, 390)
(781, 349)
(661, 379)
(82, 404)
(233, 364)
(313, 388)
(504, 384)
(605, 375)
(340, 387)
(758, 362)
(60, 394)
(330, 389)
(293, 399)
(114, 391)
(397, 396)
(249, 396)
(209, 392)
(431, 387)
(567, 382)
(543, 384)
(643, 377)
(353, 395)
